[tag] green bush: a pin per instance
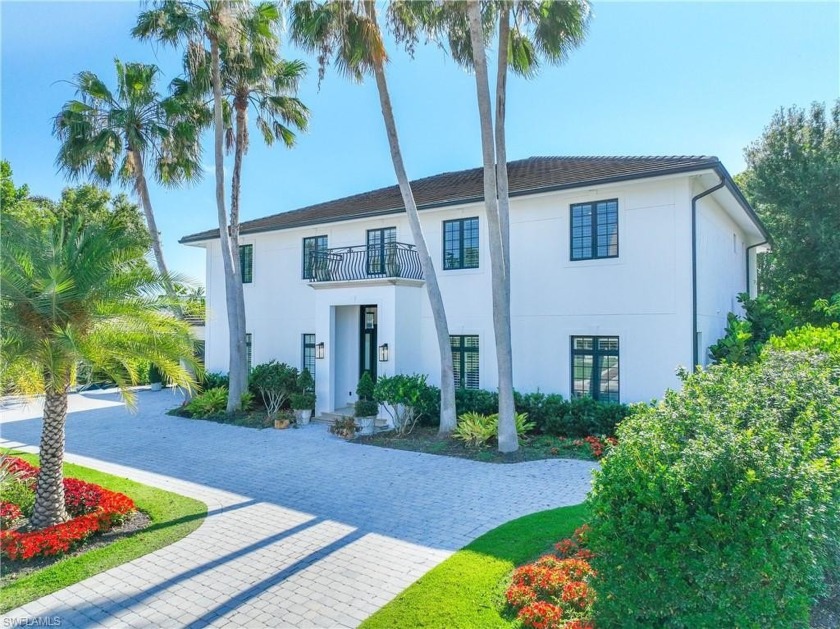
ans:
(302, 401)
(720, 504)
(404, 396)
(214, 380)
(214, 402)
(476, 401)
(365, 387)
(581, 417)
(476, 429)
(20, 493)
(274, 382)
(366, 408)
(541, 407)
(825, 339)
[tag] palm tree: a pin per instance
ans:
(78, 294)
(527, 29)
(106, 135)
(349, 33)
(198, 25)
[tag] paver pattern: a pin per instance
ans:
(305, 530)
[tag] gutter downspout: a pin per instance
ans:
(696, 350)
(758, 244)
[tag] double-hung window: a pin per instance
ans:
(308, 354)
(460, 244)
(246, 263)
(465, 360)
(380, 244)
(594, 230)
(311, 248)
(595, 367)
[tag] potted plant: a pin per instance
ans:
(366, 408)
(155, 379)
(303, 401)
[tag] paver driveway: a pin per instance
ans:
(304, 530)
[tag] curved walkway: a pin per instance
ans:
(304, 530)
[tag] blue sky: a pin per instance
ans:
(651, 79)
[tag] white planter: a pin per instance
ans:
(303, 416)
(156, 386)
(366, 425)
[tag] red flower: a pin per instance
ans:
(581, 534)
(519, 596)
(20, 469)
(578, 594)
(541, 615)
(9, 514)
(579, 623)
(566, 548)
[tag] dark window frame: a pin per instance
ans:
(459, 359)
(376, 252)
(593, 243)
(309, 273)
(247, 278)
(249, 350)
(305, 361)
(597, 355)
(461, 261)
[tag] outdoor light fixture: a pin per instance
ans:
(383, 353)
(319, 350)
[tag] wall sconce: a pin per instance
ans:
(383, 353)
(319, 350)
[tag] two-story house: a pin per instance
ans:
(622, 270)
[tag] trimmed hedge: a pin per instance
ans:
(721, 504)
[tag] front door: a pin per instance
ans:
(367, 341)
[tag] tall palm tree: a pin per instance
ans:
(199, 25)
(349, 33)
(527, 30)
(122, 134)
(77, 294)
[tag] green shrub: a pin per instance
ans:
(366, 408)
(305, 382)
(403, 396)
(365, 387)
(476, 429)
(719, 505)
(214, 380)
(808, 337)
(302, 401)
(581, 417)
(428, 406)
(214, 402)
(20, 493)
(476, 401)
(274, 382)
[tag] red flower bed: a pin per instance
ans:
(95, 510)
(20, 469)
(554, 592)
(9, 514)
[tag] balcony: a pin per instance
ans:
(362, 262)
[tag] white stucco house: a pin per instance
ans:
(622, 270)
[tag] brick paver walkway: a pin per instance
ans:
(305, 530)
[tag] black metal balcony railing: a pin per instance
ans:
(393, 259)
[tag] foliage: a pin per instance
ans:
(172, 518)
(304, 398)
(403, 396)
(305, 382)
(344, 427)
(720, 504)
(366, 408)
(214, 380)
(274, 382)
(467, 589)
(554, 591)
(302, 401)
(584, 416)
(476, 429)
(365, 387)
(808, 337)
(745, 336)
(213, 402)
(20, 493)
(793, 181)
(476, 401)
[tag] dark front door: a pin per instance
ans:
(367, 341)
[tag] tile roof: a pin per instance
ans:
(525, 176)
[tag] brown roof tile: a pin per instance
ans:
(525, 176)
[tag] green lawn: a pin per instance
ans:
(172, 517)
(467, 590)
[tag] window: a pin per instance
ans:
(377, 245)
(595, 367)
(311, 246)
(246, 263)
(248, 350)
(595, 230)
(308, 354)
(465, 360)
(460, 244)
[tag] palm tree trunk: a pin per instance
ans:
(233, 282)
(501, 141)
(146, 202)
(447, 379)
(49, 493)
(240, 146)
(508, 440)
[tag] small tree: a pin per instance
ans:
(402, 396)
(275, 383)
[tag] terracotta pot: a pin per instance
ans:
(281, 424)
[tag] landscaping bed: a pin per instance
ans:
(531, 448)
(159, 518)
